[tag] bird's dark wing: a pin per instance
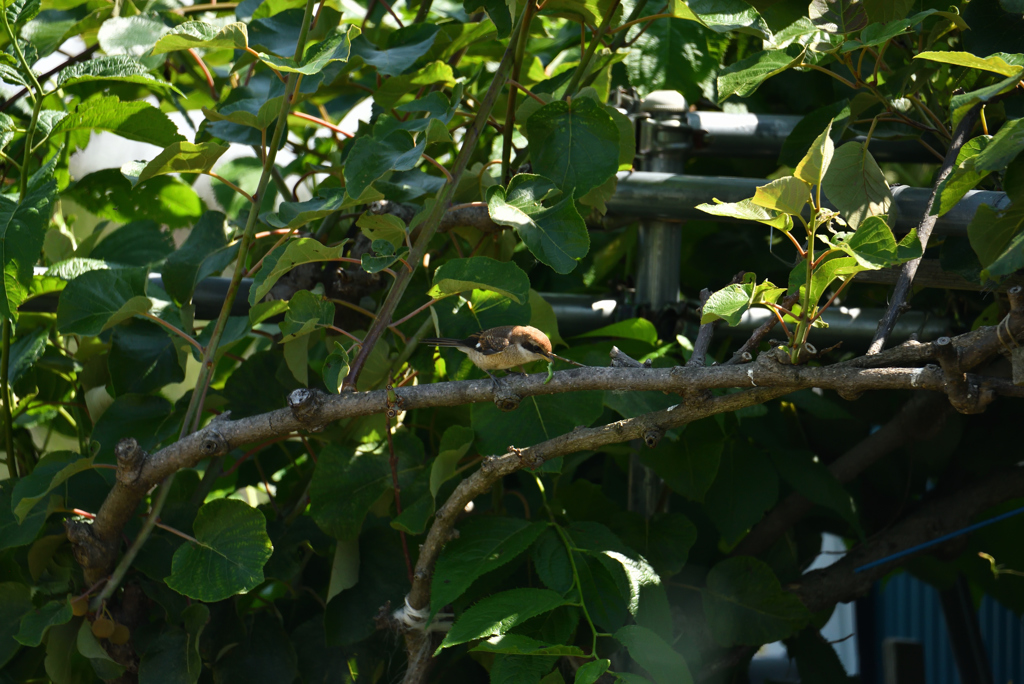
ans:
(490, 341)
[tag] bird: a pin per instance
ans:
(501, 348)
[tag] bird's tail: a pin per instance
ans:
(442, 342)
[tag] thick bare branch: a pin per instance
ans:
(840, 583)
(919, 418)
(310, 410)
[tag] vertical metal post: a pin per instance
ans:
(965, 634)
(665, 139)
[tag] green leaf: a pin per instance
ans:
(575, 144)
(179, 157)
(551, 562)
(228, 555)
(15, 601)
(392, 90)
(676, 54)
(788, 195)
(724, 16)
(344, 568)
(298, 214)
(139, 243)
(481, 273)
(632, 329)
(306, 313)
(199, 34)
(499, 613)
(960, 104)
(19, 12)
(651, 652)
(997, 239)
(838, 16)
(25, 351)
(109, 195)
(36, 622)
(89, 646)
(334, 48)
(455, 442)
(557, 236)
(12, 533)
(205, 252)
(733, 300)
(746, 210)
(995, 63)
(691, 469)
(92, 300)
(120, 68)
(22, 231)
(856, 185)
(744, 603)
(349, 481)
(1003, 148)
(873, 245)
(745, 76)
(963, 177)
(369, 159)
(484, 544)
(746, 486)
(144, 357)
(393, 61)
(134, 36)
(537, 419)
(250, 111)
(589, 673)
(141, 416)
(813, 167)
(286, 257)
(809, 476)
(63, 661)
(51, 471)
(383, 227)
(336, 367)
(518, 644)
(137, 120)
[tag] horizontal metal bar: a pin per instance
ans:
(667, 196)
(728, 134)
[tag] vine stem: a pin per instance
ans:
(584, 64)
(433, 220)
(510, 110)
(5, 365)
(206, 369)
(176, 330)
(5, 342)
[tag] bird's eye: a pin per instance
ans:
(531, 347)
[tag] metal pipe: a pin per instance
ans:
(664, 141)
(673, 197)
(728, 134)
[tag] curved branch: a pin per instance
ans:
(311, 410)
(841, 582)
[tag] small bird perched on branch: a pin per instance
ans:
(502, 348)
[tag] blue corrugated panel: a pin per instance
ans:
(911, 609)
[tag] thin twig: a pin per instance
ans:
(206, 73)
(924, 232)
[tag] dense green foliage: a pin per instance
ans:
(272, 563)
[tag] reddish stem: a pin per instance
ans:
(206, 73)
(317, 120)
